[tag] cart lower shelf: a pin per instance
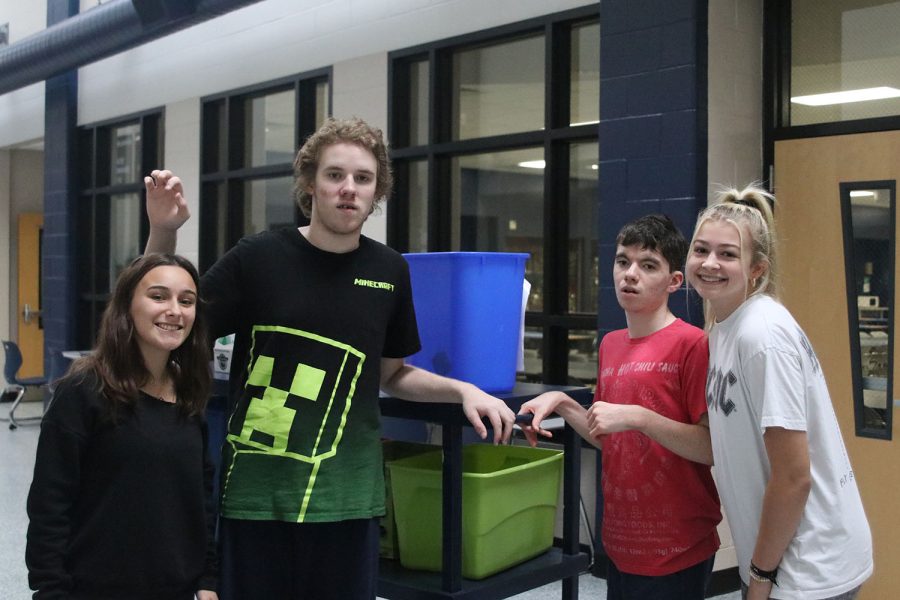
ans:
(397, 583)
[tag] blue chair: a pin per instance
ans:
(15, 385)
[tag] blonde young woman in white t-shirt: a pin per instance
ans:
(782, 469)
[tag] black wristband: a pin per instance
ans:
(763, 576)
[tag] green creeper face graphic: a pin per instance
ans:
(300, 388)
(298, 401)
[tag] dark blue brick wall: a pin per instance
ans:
(58, 244)
(653, 90)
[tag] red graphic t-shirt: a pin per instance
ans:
(660, 510)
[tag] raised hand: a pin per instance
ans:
(166, 207)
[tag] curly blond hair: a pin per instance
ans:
(335, 131)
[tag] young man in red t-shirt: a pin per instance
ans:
(660, 506)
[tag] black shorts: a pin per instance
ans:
(292, 561)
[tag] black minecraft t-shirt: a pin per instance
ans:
(303, 441)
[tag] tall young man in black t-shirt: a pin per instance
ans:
(324, 318)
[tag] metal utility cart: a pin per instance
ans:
(563, 563)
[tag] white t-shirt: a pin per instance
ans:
(763, 373)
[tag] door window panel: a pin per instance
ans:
(869, 233)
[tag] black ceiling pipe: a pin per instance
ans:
(102, 31)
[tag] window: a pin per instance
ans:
(111, 213)
(486, 79)
(249, 141)
(840, 61)
(868, 211)
(495, 150)
(584, 97)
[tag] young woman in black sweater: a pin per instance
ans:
(120, 505)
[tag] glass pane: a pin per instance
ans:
(844, 47)
(124, 232)
(583, 355)
(499, 89)
(497, 203)
(418, 206)
(533, 354)
(418, 103)
(215, 137)
(583, 261)
(323, 108)
(269, 129)
(872, 283)
(268, 204)
(214, 239)
(125, 154)
(584, 102)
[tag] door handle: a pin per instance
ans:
(28, 313)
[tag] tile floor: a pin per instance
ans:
(17, 450)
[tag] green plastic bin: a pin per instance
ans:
(393, 450)
(509, 507)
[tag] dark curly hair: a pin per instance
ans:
(334, 131)
(117, 362)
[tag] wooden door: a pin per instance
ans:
(808, 178)
(31, 330)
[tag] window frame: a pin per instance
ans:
(556, 137)
(777, 19)
(234, 176)
(92, 216)
(853, 311)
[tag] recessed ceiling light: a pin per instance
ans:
(875, 93)
(533, 164)
(861, 194)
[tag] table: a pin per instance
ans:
(564, 563)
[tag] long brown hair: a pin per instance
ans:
(117, 362)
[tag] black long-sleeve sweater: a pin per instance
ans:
(119, 510)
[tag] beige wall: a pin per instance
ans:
(735, 92)
(24, 18)
(735, 123)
